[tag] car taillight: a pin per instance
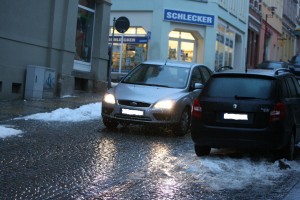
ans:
(197, 109)
(278, 112)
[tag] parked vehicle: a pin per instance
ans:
(294, 64)
(272, 65)
(257, 109)
(220, 69)
(156, 92)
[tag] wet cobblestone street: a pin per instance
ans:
(55, 160)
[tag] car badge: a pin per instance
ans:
(133, 103)
(234, 106)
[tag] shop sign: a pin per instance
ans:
(188, 17)
(128, 39)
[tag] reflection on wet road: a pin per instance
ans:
(85, 161)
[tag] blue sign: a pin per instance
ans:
(188, 17)
(129, 40)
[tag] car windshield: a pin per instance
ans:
(239, 88)
(158, 75)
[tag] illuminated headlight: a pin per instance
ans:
(109, 98)
(165, 104)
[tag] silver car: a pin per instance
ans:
(156, 92)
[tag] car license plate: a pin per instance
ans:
(233, 116)
(132, 112)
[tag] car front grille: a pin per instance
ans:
(133, 117)
(133, 103)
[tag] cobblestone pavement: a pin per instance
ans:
(55, 160)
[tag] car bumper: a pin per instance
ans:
(272, 137)
(143, 115)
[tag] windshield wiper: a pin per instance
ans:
(245, 97)
(157, 85)
(148, 84)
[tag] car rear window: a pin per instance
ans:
(239, 87)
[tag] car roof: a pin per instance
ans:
(172, 62)
(256, 72)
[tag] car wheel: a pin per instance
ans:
(289, 150)
(183, 125)
(202, 150)
(109, 123)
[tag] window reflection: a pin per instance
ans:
(84, 35)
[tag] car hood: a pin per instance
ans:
(143, 93)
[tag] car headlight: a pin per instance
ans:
(109, 98)
(164, 104)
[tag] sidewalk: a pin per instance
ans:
(294, 194)
(16, 108)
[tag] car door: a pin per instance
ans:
(294, 89)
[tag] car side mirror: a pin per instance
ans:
(198, 86)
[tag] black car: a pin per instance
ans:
(272, 65)
(256, 109)
(294, 64)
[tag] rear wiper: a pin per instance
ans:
(245, 97)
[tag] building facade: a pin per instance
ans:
(297, 30)
(210, 32)
(53, 48)
(289, 24)
(254, 34)
(272, 14)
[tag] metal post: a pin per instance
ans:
(110, 56)
(121, 53)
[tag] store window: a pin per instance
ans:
(133, 50)
(181, 46)
(224, 47)
(84, 33)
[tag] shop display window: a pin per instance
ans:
(84, 30)
(134, 49)
(132, 55)
(224, 47)
(181, 46)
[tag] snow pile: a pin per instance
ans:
(83, 113)
(6, 131)
(228, 173)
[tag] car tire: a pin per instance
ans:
(183, 126)
(289, 150)
(202, 150)
(109, 123)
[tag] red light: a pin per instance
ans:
(278, 112)
(197, 109)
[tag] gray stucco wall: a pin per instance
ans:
(42, 33)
